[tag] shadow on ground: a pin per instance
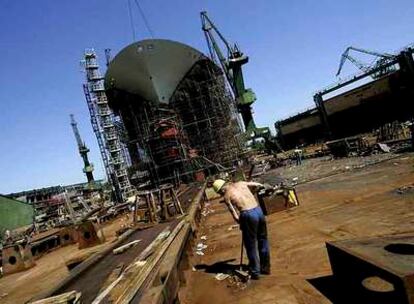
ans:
(341, 293)
(226, 267)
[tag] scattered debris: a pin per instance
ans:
(221, 276)
(405, 189)
(201, 246)
(384, 148)
(203, 238)
(232, 227)
(236, 282)
(199, 253)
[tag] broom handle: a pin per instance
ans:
(241, 253)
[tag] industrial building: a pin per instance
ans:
(381, 99)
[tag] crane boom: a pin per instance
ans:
(81, 144)
(83, 150)
(363, 67)
(373, 53)
(214, 49)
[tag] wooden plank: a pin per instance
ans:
(134, 277)
(89, 262)
(167, 275)
(135, 266)
(153, 295)
(66, 298)
(125, 247)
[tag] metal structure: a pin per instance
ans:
(232, 67)
(83, 150)
(105, 129)
(383, 96)
(232, 63)
(180, 117)
(389, 259)
(381, 68)
(366, 68)
(97, 130)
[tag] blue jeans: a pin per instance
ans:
(254, 231)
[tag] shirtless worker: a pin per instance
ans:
(252, 222)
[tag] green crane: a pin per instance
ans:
(232, 67)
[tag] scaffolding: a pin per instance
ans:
(195, 133)
(209, 115)
(102, 120)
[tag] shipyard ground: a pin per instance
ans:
(50, 268)
(340, 199)
(343, 199)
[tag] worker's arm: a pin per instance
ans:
(231, 209)
(254, 184)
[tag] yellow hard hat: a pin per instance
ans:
(218, 184)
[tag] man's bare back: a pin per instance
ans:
(240, 195)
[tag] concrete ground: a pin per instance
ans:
(360, 201)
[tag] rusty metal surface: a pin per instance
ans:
(87, 235)
(17, 258)
(380, 252)
(385, 261)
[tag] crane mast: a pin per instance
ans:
(83, 150)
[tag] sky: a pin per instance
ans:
(294, 49)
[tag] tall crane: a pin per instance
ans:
(232, 66)
(382, 58)
(83, 150)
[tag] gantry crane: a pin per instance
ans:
(382, 59)
(83, 151)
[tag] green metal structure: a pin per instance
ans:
(232, 65)
(14, 214)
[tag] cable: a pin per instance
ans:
(131, 20)
(144, 18)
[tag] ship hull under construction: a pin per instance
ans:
(180, 119)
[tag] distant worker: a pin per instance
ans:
(298, 156)
(252, 222)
